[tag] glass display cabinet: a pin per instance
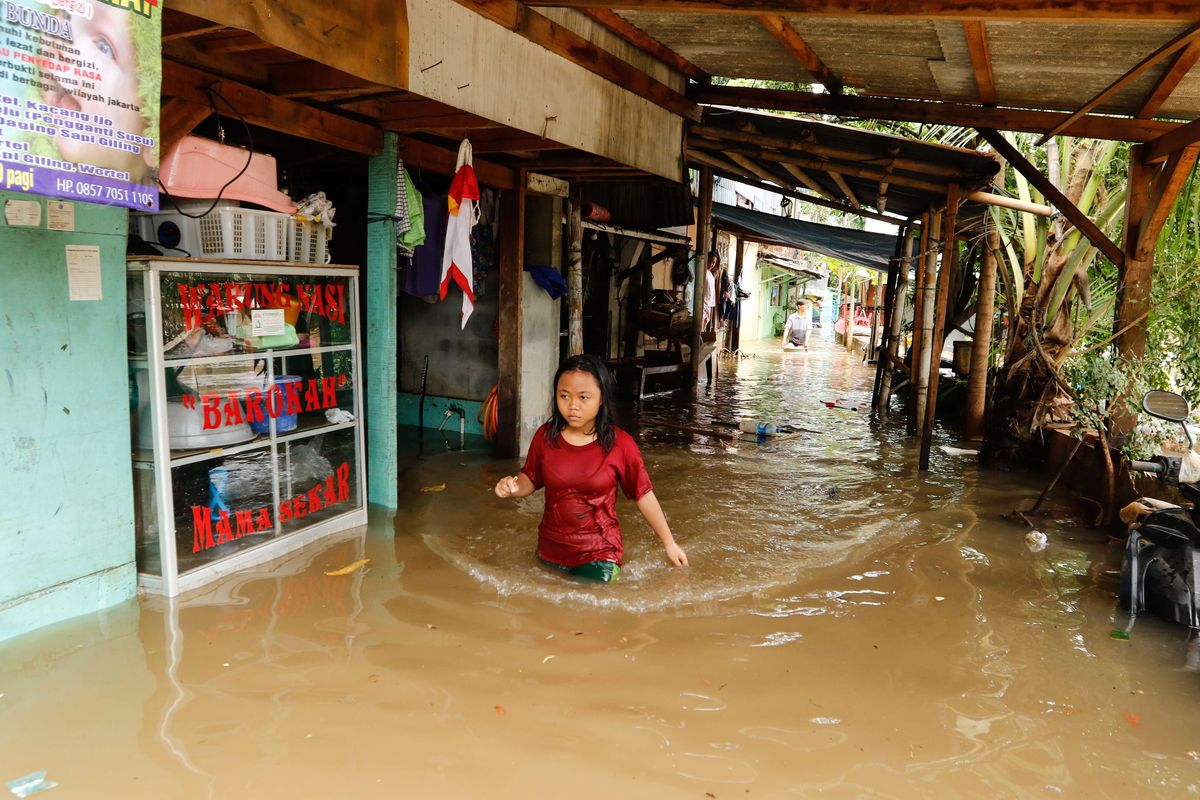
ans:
(245, 412)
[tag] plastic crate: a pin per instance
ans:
(308, 242)
(227, 232)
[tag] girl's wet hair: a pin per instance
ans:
(605, 419)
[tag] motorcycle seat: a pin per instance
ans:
(1170, 527)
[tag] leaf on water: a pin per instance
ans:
(346, 570)
(441, 487)
(1117, 633)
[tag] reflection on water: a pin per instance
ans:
(846, 629)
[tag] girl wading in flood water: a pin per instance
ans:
(580, 457)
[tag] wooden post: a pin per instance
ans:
(703, 235)
(981, 344)
(918, 315)
(889, 291)
(850, 315)
(382, 378)
(512, 265)
(920, 360)
(575, 281)
(895, 323)
(937, 340)
(735, 338)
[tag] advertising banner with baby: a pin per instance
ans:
(79, 98)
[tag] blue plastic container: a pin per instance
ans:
(284, 422)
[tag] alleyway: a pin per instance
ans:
(845, 629)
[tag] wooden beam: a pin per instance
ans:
(1071, 10)
(269, 111)
(1180, 66)
(1134, 276)
(975, 405)
(462, 121)
(512, 280)
(787, 36)
(737, 175)
(927, 242)
(820, 165)
(368, 38)
(704, 189)
(1053, 195)
(756, 170)
(987, 198)
(1178, 43)
(845, 187)
(239, 43)
(966, 114)
(647, 43)
(189, 33)
(308, 78)
(539, 29)
(1163, 192)
(506, 141)
(809, 182)
(938, 341)
(805, 143)
(1182, 136)
(981, 60)
(439, 159)
(178, 118)
(710, 160)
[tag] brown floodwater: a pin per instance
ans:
(846, 629)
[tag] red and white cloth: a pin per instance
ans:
(464, 213)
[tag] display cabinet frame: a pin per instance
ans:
(161, 516)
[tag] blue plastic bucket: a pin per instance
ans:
(284, 422)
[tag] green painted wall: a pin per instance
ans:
(66, 526)
(380, 344)
(435, 410)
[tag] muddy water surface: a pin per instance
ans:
(845, 630)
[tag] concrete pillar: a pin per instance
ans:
(381, 385)
(540, 316)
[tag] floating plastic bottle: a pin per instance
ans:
(761, 428)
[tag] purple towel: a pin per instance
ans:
(424, 274)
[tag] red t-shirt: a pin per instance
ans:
(580, 521)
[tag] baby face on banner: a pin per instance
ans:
(105, 40)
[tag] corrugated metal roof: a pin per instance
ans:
(1052, 65)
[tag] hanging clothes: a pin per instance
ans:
(456, 258)
(424, 275)
(485, 256)
(410, 212)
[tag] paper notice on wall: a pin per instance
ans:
(23, 213)
(60, 215)
(83, 272)
(267, 322)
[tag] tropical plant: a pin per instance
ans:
(1058, 296)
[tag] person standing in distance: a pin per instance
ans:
(795, 331)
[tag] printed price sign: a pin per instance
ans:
(267, 322)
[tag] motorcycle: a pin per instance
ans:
(1160, 571)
